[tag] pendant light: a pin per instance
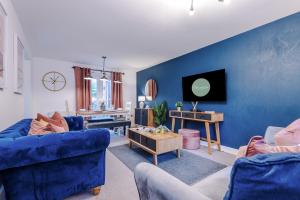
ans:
(103, 78)
(225, 1)
(192, 10)
(89, 77)
(118, 81)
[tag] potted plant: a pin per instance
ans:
(179, 105)
(160, 113)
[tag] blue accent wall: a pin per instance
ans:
(263, 79)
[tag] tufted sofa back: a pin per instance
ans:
(22, 127)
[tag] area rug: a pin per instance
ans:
(189, 168)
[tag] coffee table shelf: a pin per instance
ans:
(155, 143)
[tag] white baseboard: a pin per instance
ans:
(223, 148)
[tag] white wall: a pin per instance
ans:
(27, 90)
(45, 101)
(12, 105)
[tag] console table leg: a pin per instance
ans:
(218, 135)
(178, 153)
(208, 137)
(173, 124)
(130, 144)
(154, 159)
(182, 123)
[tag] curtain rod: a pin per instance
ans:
(100, 70)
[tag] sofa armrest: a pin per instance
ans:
(34, 149)
(156, 184)
(265, 176)
(75, 123)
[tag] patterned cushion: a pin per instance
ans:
(39, 128)
(56, 116)
(56, 119)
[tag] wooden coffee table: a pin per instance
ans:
(155, 143)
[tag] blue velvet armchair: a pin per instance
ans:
(52, 166)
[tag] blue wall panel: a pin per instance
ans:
(263, 79)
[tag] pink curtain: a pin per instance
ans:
(83, 88)
(117, 91)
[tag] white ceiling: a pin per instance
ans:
(138, 33)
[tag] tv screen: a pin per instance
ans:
(210, 86)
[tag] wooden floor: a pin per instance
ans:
(120, 182)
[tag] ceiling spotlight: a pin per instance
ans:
(192, 10)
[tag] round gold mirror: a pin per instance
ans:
(150, 90)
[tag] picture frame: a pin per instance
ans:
(3, 41)
(18, 65)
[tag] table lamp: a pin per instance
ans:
(142, 100)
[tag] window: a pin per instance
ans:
(101, 92)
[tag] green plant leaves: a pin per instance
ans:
(160, 113)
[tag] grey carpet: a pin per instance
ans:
(189, 168)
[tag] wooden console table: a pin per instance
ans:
(206, 118)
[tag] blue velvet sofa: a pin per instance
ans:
(52, 166)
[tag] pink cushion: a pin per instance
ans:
(189, 132)
(56, 129)
(257, 145)
(266, 148)
(289, 136)
(249, 149)
(39, 128)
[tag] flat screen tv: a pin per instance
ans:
(210, 86)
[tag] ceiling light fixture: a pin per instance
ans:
(192, 10)
(224, 1)
(103, 78)
(89, 77)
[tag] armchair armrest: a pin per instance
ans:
(156, 184)
(265, 176)
(34, 149)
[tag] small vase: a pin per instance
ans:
(178, 108)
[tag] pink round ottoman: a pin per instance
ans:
(191, 138)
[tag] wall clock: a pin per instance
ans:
(54, 81)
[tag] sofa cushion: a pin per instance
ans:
(56, 116)
(289, 135)
(56, 129)
(261, 147)
(270, 134)
(56, 119)
(215, 185)
(39, 128)
(265, 176)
